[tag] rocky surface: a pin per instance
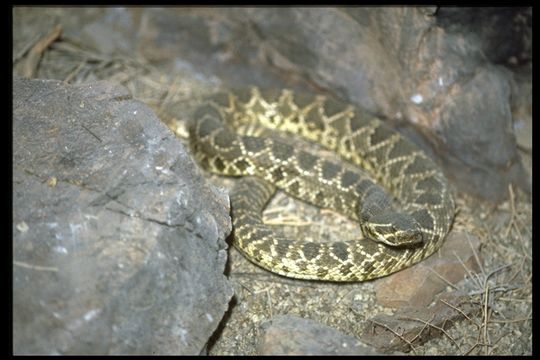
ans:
(504, 33)
(118, 242)
(293, 335)
(418, 285)
(395, 62)
(424, 69)
(414, 325)
(522, 114)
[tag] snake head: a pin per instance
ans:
(393, 229)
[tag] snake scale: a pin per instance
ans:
(394, 238)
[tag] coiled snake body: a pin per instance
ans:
(394, 239)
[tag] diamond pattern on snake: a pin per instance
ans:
(398, 194)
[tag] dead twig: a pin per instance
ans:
(512, 210)
(474, 347)
(34, 267)
(461, 312)
(448, 282)
(400, 336)
(75, 72)
(31, 64)
(429, 324)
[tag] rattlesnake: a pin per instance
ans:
(394, 240)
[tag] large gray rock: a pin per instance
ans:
(118, 243)
(398, 63)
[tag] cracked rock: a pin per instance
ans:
(118, 242)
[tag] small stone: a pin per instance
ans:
(52, 182)
(22, 227)
(292, 335)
